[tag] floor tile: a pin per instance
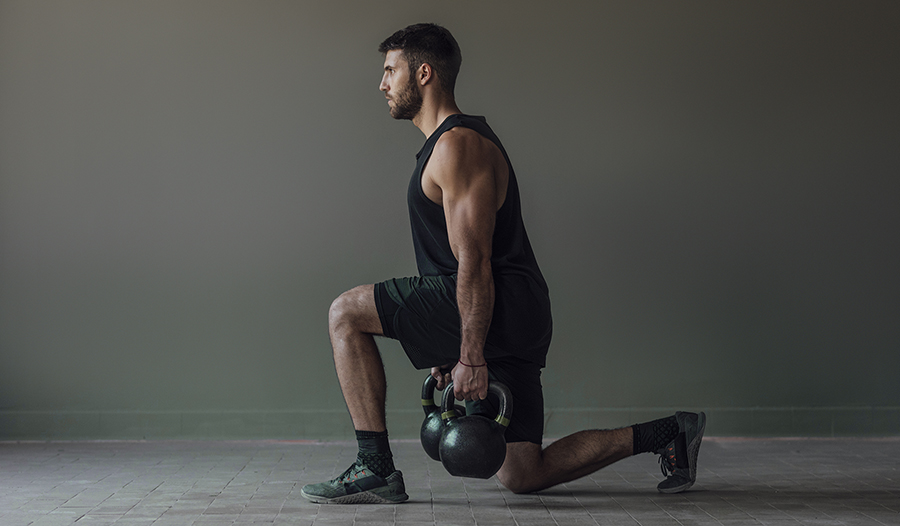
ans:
(775, 482)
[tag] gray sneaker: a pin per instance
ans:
(679, 457)
(358, 485)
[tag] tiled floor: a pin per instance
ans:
(777, 482)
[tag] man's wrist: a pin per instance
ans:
(470, 357)
(472, 365)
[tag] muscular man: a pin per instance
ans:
(480, 304)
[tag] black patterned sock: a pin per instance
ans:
(650, 437)
(375, 452)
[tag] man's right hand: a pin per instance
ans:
(469, 383)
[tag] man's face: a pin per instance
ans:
(399, 87)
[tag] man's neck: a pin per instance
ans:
(432, 115)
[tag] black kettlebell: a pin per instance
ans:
(433, 426)
(473, 445)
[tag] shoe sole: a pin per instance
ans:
(693, 450)
(363, 497)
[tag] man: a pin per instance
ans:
(480, 304)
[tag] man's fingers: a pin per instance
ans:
(442, 376)
(470, 395)
(436, 374)
(462, 394)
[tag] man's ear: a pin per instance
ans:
(425, 74)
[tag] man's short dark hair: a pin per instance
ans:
(431, 44)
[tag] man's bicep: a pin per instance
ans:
(465, 176)
(470, 224)
(469, 208)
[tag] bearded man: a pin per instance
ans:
(480, 308)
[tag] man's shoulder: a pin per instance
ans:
(462, 145)
(460, 137)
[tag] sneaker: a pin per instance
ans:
(358, 485)
(679, 457)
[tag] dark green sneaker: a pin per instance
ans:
(679, 457)
(358, 485)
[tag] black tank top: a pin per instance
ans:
(521, 324)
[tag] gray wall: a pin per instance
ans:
(711, 188)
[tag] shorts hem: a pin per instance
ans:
(386, 330)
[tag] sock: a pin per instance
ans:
(652, 436)
(375, 452)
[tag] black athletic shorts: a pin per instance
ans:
(421, 313)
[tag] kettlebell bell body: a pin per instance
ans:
(433, 425)
(473, 445)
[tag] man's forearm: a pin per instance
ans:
(475, 297)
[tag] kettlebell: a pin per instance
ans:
(433, 426)
(473, 445)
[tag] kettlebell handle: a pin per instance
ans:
(499, 389)
(428, 394)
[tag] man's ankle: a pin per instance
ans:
(375, 452)
(650, 437)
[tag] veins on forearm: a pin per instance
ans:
(475, 296)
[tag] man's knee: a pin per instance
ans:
(520, 467)
(516, 485)
(355, 310)
(519, 483)
(340, 310)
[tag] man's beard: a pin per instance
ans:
(407, 103)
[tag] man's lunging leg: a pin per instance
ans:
(676, 438)
(528, 468)
(352, 322)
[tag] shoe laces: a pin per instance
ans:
(667, 459)
(349, 476)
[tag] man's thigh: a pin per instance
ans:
(421, 314)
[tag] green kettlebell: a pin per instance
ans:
(433, 426)
(473, 445)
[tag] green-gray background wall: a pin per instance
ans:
(711, 188)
